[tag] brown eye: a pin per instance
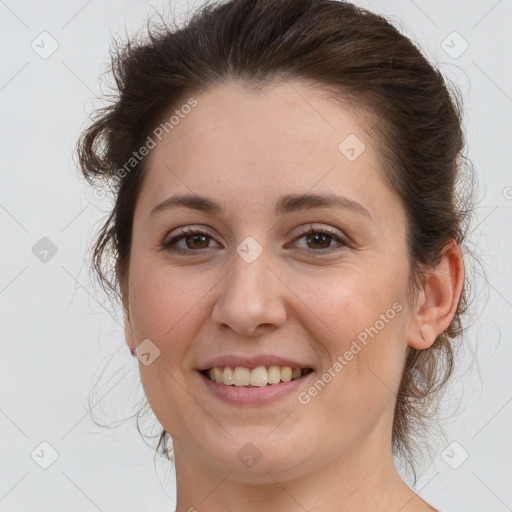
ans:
(320, 239)
(191, 240)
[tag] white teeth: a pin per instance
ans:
(274, 374)
(257, 377)
(241, 376)
(228, 377)
(296, 373)
(286, 374)
(218, 375)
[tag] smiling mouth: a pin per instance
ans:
(259, 377)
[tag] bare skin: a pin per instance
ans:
(303, 297)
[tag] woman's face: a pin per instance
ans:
(251, 283)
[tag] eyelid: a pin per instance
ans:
(186, 231)
(317, 227)
(334, 233)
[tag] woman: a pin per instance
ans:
(287, 244)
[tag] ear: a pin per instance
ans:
(438, 299)
(128, 332)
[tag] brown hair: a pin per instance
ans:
(348, 51)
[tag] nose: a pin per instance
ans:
(251, 300)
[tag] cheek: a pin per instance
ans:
(357, 317)
(164, 300)
(167, 306)
(363, 338)
(348, 300)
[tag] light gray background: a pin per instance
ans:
(56, 328)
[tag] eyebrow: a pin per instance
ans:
(284, 205)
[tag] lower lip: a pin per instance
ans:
(239, 395)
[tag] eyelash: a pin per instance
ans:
(310, 231)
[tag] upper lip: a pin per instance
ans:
(252, 362)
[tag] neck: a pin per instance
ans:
(358, 482)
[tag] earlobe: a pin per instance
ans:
(438, 299)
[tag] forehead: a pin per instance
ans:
(283, 116)
(252, 144)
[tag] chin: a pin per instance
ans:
(252, 458)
